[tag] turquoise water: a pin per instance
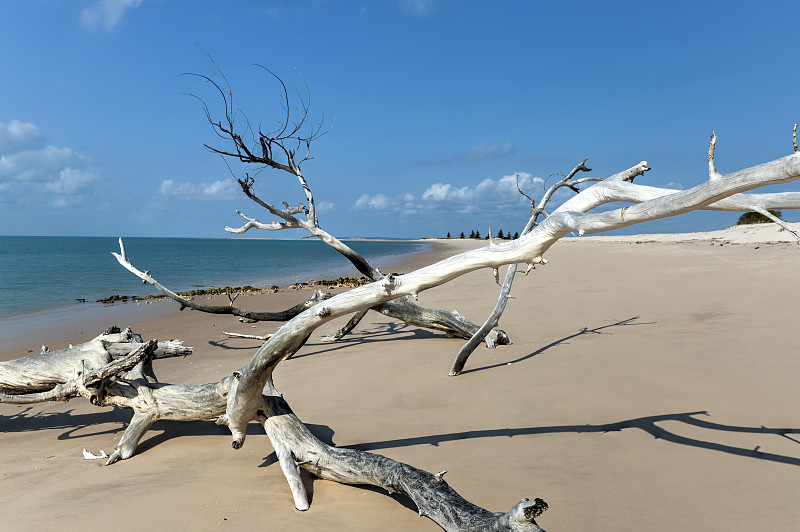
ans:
(51, 273)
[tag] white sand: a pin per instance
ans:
(738, 234)
(643, 391)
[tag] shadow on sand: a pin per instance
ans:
(394, 331)
(647, 424)
(378, 332)
(26, 421)
(29, 419)
(375, 333)
(561, 341)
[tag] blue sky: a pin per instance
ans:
(435, 104)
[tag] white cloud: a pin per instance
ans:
(271, 11)
(220, 189)
(489, 196)
(70, 181)
(491, 151)
(475, 153)
(446, 191)
(489, 191)
(378, 202)
(106, 13)
(32, 171)
(38, 166)
(325, 206)
(17, 135)
(421, 8)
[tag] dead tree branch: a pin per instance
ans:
(493, 320)
(279, 150)
(283, 315)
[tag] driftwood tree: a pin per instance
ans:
(115, 369)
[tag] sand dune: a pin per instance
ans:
(738, 234)
(649, 387)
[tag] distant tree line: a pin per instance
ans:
(757, 218)
(477, 235)
(744, 219)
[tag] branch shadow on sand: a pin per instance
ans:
(582, 332)
(26, 421)
(376, 332)
(647, 424)
(30, 420)
(394, 331)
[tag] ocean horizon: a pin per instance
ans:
(41, 274)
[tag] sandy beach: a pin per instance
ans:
(651, 385)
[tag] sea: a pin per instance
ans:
(44, 274)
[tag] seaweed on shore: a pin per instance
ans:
(341, 282)
(190, 293)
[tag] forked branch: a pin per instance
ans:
(493, 320)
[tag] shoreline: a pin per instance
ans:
(641, 379)
(56, 328)
(80, 322)
(52, 273)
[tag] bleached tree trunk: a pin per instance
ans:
(42, 372)
(246, 401)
